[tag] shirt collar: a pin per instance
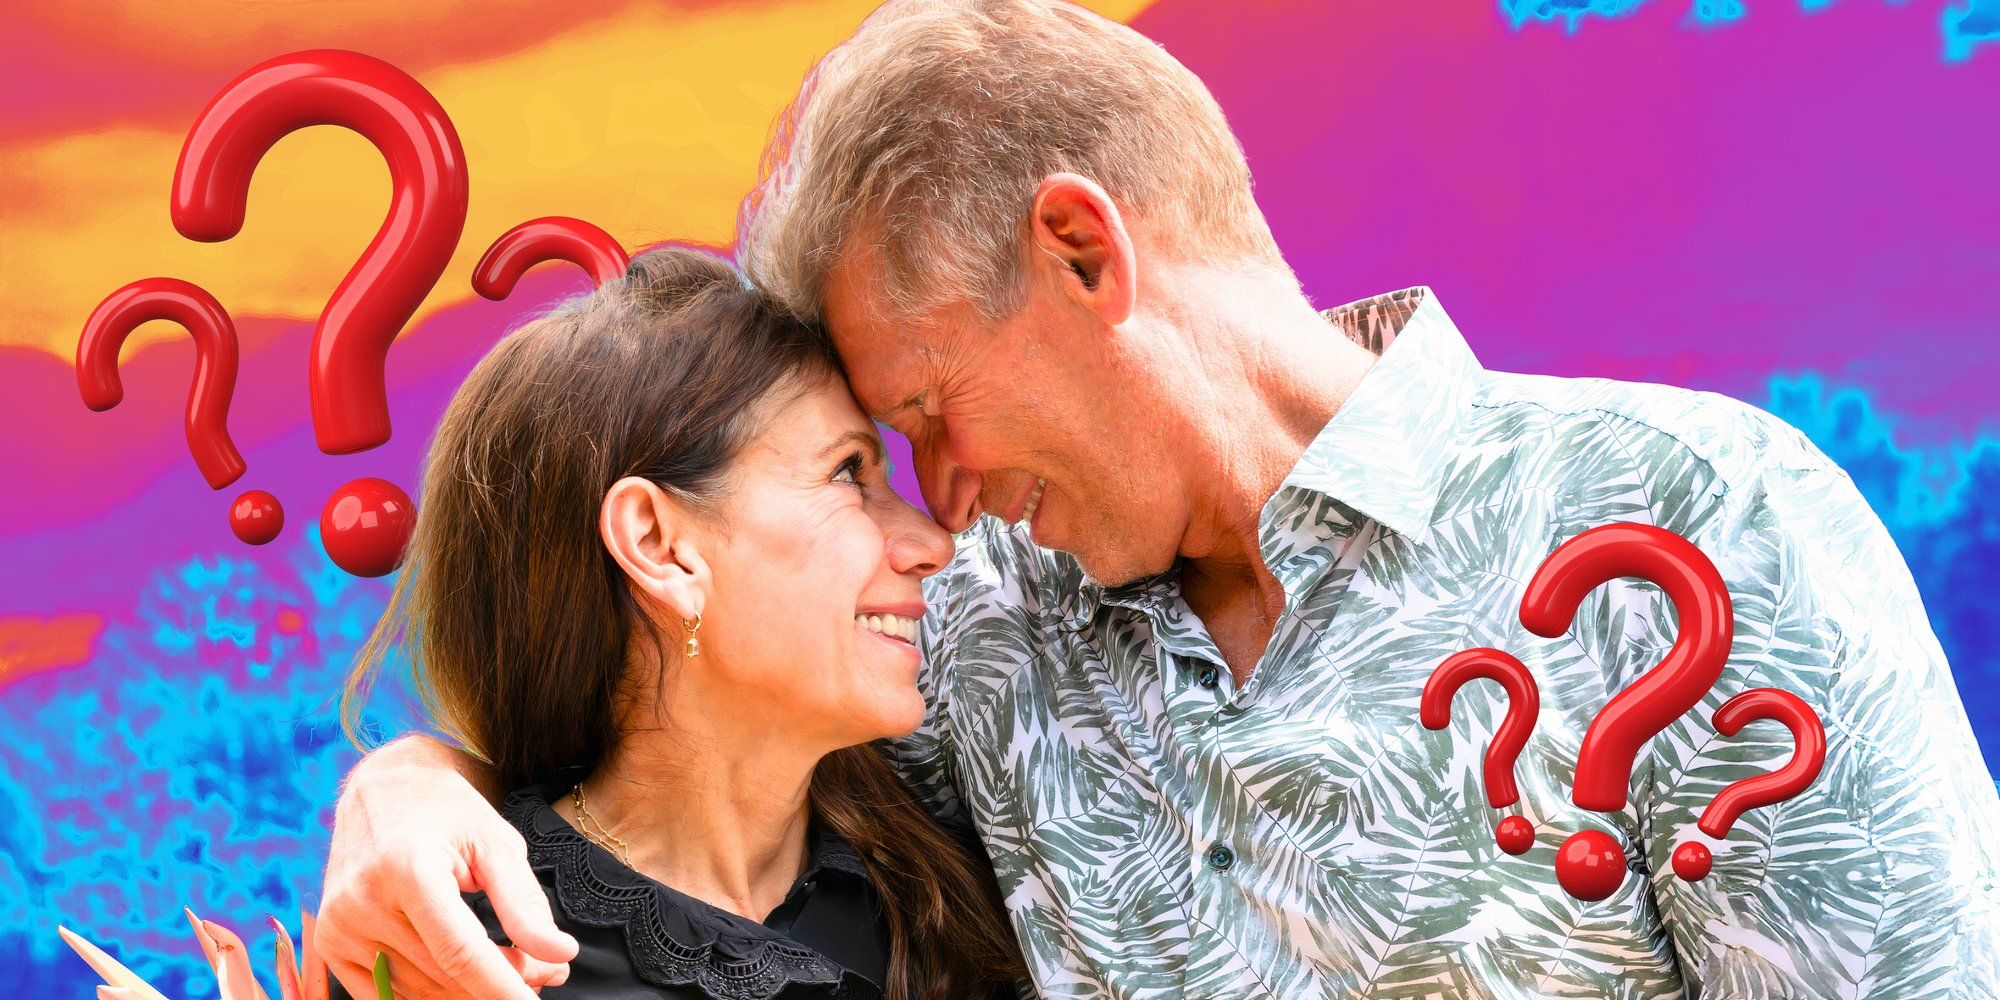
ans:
(1382, 453)
(1386, 449)
(830, 852)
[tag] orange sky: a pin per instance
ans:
(645, 118)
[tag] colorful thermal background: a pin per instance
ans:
(1793, 205)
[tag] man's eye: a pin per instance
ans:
(924, 407)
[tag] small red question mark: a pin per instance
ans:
(1692, 858)
(1590, 865)
(427, 171)
(215, 356)
(552, 238)
(1515, 834)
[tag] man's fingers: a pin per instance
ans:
(536, 973)
(406, 950)
(351, 934)
(458, 943)
(521, 904)
(359, 981)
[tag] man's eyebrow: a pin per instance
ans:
(869, 438)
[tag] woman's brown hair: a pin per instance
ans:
(518, 622)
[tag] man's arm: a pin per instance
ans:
(1880, 879)
(414, 828)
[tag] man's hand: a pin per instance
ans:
(411, 832)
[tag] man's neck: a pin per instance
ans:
(1272, 376)
(720, 819)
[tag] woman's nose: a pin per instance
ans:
(917, 544)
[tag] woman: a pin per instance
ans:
(661, 584)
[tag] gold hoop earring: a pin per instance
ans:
(693, 647)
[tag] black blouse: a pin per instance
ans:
(641, 939)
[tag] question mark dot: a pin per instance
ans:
(1590, 865)
(1692, 861)
(365, 526)
(1515, 834)
(256, 517)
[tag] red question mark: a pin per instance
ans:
(255, 517)
(1590, 865)
(1692, 858)
(552, 238)
(350, 406)
(1515, 834)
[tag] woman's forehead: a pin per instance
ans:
(816, 419)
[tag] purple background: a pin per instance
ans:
(1795, 206)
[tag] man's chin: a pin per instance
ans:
(1106, 565)
(1112, 573)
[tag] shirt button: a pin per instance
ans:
(1209, 677)
(1220, 857)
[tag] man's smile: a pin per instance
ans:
(1023, 508)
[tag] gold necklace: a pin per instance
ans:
(584, 821)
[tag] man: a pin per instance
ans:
(1211, 544)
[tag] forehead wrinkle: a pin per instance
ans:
(906, 368)
(898, 345)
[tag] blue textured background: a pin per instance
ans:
(1793, 205)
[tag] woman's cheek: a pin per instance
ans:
(813, 585)
(853, 547)
(827, 541)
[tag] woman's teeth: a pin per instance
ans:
(1034, 501)
(893, 626)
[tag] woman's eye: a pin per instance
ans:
(849, 471)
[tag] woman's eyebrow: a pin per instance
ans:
(869, 438)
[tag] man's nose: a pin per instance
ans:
(951, 491)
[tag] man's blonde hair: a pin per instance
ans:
(932, 127)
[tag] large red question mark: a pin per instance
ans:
(255, 516)
(1515, 834)
(551, 238)
(350, 406)
(1692, 858)
(1590, 865)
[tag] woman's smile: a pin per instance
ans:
(889, 626)
(899, 632)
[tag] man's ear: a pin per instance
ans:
(649, 533)
(1076, 223)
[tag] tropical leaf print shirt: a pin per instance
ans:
(1160, 831)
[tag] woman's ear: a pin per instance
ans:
(650, 534)
(1075, 222)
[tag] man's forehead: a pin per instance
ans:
(886, 375)
(883, 349)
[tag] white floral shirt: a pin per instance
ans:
(1159, 831)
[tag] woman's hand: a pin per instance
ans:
(411, 832)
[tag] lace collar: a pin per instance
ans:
(674, 939)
